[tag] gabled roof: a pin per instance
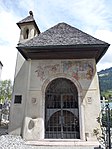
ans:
(63, 41)
(62, 34)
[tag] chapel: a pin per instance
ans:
(56, 89)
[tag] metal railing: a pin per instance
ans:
(105, 121)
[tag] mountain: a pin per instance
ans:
(105, 79)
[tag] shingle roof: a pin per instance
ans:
(63, 42)
(62, 34)
(27, 19)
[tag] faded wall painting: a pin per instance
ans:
(47, 70)
(77, 69)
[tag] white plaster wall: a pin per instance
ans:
(34, 113)
(32, 32)
(92, 109)
(19, 62)
(17, 111)
(34, 102)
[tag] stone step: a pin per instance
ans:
(66, 147)
(68, 144)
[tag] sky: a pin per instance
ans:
(92, 17)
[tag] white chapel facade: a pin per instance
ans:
(56, 89)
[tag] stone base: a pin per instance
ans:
(63, 144)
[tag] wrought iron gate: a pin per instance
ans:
(61, 110)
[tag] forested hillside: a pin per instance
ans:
(105, 79)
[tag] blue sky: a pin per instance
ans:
(92, 17)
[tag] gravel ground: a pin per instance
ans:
(13, 142)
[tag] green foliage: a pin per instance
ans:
(105, 80)
(5, 90)
(106, 94)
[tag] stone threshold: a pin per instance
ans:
(64, 142)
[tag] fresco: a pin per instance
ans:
(46, 70)
(77, 69)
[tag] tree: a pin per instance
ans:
(5, 90)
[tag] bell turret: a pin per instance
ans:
(29, 28)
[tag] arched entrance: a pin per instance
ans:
(61, 110)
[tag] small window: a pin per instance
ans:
(35, 32)
(26, 33)
(18, 99)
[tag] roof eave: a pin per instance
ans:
(103, 52)
(64, 46)
(99, 49)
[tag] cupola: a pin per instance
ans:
(29, 28)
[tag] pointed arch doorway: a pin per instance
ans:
(61, 110)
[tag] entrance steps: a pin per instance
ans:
(63, 144)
